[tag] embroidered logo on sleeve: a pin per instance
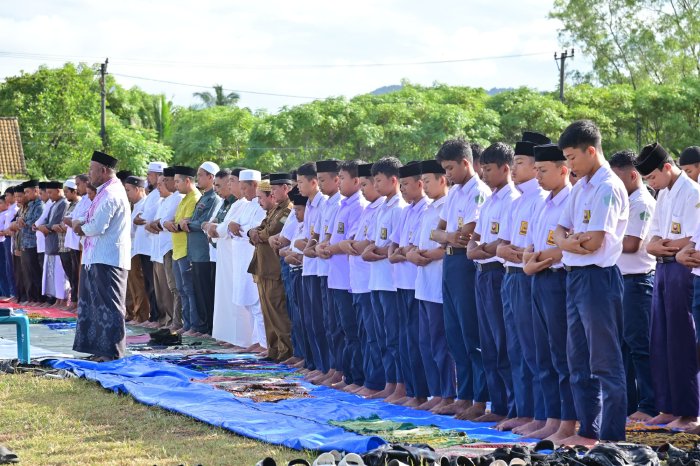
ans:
(341, 228)
(644, 216)
(383, 234)
(523, 228)
(479, 199)
(550, 238)
(608, 199)
(460, 222)
(325, 229)
(676, 228)
(586, 216)
(495, 228)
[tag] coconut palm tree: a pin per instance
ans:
(218, 98)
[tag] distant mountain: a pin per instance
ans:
(398, 87)
(498, 90)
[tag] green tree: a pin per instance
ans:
(218, 98)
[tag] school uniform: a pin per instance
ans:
(516, 294)
(372, 366)
(594, 306)
(331, 321)
(462, 206)
(411, 364)
(548, 316)
(381, 284)
(289, 231)
(346, 333)
(313, 306)
(674, 364)
(637, 270)
(489, 304)
(438, 365)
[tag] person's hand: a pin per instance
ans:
(138, 221)
(310, 249)
(325, 251)
(235, 229)
(369, 255)
(533, 266)
(254, 236)
(211, 230)
(185, 225)
(416, 257)
(573, 244)
(293, 259)
(170, 226)
(459, 238)
(661, 248)
(21, 223)
(689, 256)
(57, 229)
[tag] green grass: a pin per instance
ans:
(75, 421)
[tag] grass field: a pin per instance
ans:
(74, 421)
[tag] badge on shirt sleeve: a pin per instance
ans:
(383, 234)
(586, 216)
(644, 216)
(495, 228)
(460, 222)
(523, 228)
(341, 228)
(676, 228)
(550, 238)
(325, 229)
(479, 199)
(312, 230)
(366, 229)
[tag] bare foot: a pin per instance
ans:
(510, 424)
(447, 407)
(352, 388)
(414, 402)
(388, 391)
(527, 429)
(639, 416)
(550, 428)
(367, 393)
(661, 419)
(430, 404)
(490, 417)
(566, 429)
(579, 440)
(399, 401)
(399, 393)
(476, 410)
(683, 423)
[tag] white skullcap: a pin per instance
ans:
(250, 175)
(157, 167)
(70, 183)
(210, 167)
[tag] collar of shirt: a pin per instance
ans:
(437, 203)
(473, 181)
(636, 194)
(230, 200)
(377, 202)
(352, 199)
(507, 189)
(680, 182)
(601, 174)
(315, 201)
(529, 186)
(139, 205)
(561, 196)
(418, 205)
(393, 200)
(335, 198)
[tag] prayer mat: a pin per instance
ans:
(655, 436)
(38, 315)
(404, 432)
(269, 390)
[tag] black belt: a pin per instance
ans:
(454, 251)
(488, 266)
(513, 269)
(666, 259)
(571, 268)
(295, 268)
(637, 275)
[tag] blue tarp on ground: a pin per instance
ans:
(295, 423)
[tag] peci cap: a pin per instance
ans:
(299, 200)
(250, 175)
(169, 171)
(548, 153)
(525, 148)
(105, 159)
(184, 171)
(210, 167)
(54, 185)
(431, 166)
(136, 181)
(410, 169)
(328, 166)
(537, 139)
(280, 178)
(653, 156)
(689, 156)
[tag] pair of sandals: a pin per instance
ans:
(325, 459)
(7, 456)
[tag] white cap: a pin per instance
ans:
(70, 183)
(250, 175)
(210, 167)
(157, 167)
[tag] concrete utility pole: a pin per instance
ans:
(562, 58)
(103, 96)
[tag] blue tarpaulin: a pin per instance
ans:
(295, 423)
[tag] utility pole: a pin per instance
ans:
(561, 62)
(103, 96)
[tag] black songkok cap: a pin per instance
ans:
(365, 170)
(431, 166)
(54, 185)
(43, 185)
(548, 153)
(410, 169)
(653, 156)
(30, 184)
(280, 178)
(689, 156)
(136, 181)
(298, 199)
(185, 171)
(169, 172)
(525, 148)
(328, 166)
(124, 174)
(104, 159)
(536, 138)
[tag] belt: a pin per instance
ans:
(453, 251)
(295, 268)
(666, 259)
(554, 269)
(638, 275)
(513, 269)
(571, 268)
(488, 266)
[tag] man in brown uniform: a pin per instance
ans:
(265, 267)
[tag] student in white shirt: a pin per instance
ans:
(637, 267)
(674, 363)
(140, 308)
(689, 161)
(590, 232)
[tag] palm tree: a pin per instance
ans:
(219, 98)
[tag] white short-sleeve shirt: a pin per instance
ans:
(312, 217)
(359, 268)
(381, 273)
(429, 278)
(344, 226)
(329, 209)
(642, 206)
(405, 272)
(541, 233)
(598, 203)
(494, 215)
(522, 213)
(464, 203)
(677, 213)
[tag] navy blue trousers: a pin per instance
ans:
(313, 322)
(348, 336)
(387, 322)
(330, 324)
(674, 361)
(492, 333)
(9, 266)
(516, 293)
(5, 278)
(371, 349)
(462, 333)
(594, 315)
(411, 361)
(437, 361)
(549, 330)
(300, 341)
(636, 318)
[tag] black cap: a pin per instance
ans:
(689, 155)
(431, 166)
(365, 170)
(538, 139)
(653, 156)
(410, 169)
(280, 178)
(31, 184)
(237, 171)
(104, 159)
(328, 166)
(169, 171)
(293, 192)
(54, 185)
(525, 148)
(185, 171)
(136, 181)
(298, 199)
(124, 174)
(43, 184)
(548, 153)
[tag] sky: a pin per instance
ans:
(298, 50)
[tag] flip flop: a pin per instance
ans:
(7, 456)
(352, 459)
(326, 459)
(298, 461)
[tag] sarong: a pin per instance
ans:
(100, 328)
